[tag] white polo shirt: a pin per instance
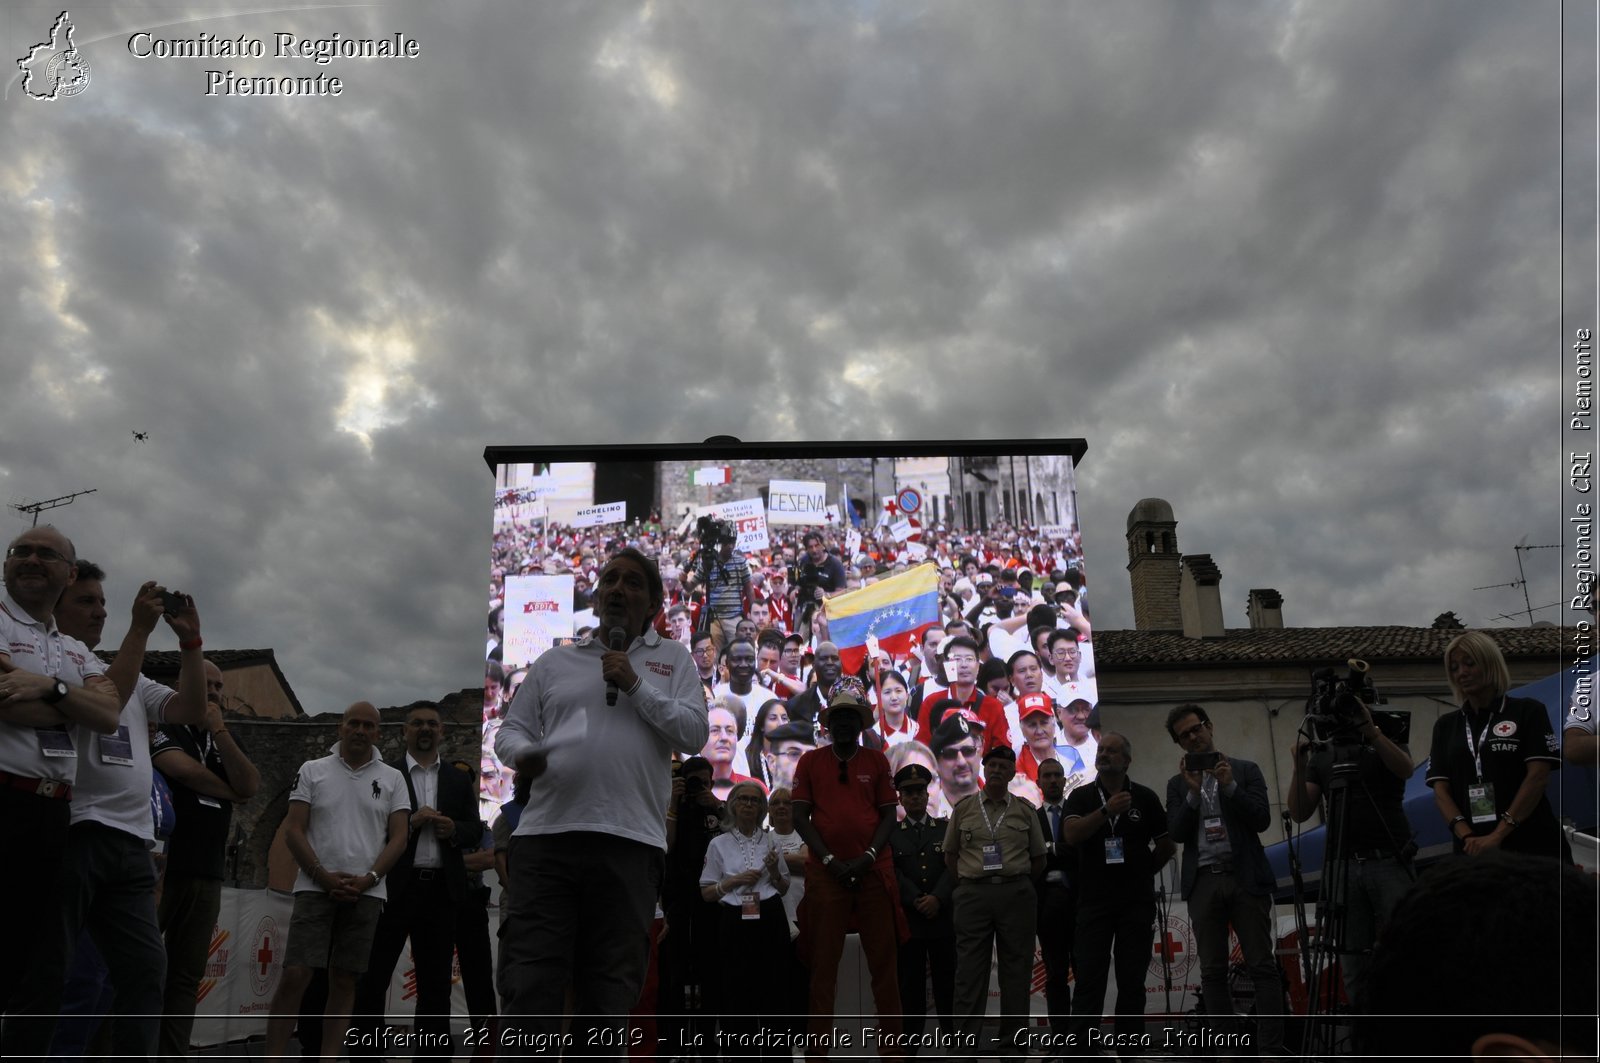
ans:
(350, 809)
(44, 753)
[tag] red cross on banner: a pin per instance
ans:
(264, 954)
(1169, 948)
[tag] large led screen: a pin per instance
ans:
(892, 555)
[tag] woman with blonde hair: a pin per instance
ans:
(1491, 759)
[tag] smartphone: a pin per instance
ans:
(173, 603)
(1200, 761)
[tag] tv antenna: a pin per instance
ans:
(1522, 577)
(24, 506)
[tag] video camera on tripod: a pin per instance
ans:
(713, 532)
(1335, 703)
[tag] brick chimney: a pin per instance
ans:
(1153, 563)
(1200, 597)
(1265, 607)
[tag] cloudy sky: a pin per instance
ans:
(1294, 266)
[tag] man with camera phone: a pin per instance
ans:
(1367, 869)
(1218, 808)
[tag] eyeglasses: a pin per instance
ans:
(1191, 732)
(958, 752)
(43, 553)
(790, 754)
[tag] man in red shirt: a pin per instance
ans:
(960, 655)
(844, 809)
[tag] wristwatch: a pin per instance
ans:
(826, 860)
(57, 691)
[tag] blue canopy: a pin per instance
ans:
(1572, 791)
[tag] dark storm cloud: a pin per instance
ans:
(1287, 265)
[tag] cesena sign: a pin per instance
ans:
(797, 502)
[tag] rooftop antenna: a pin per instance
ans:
(1522, 576)
(50, 503)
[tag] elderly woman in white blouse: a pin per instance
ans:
(747, 877)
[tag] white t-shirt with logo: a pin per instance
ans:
(113, 785)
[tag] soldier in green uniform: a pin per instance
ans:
(996, 848)
(926, 886)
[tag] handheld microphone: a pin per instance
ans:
(617, 639)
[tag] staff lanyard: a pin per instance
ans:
(994, 828)
(1105, 806)
(1483, 736)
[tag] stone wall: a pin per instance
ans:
(751, 478)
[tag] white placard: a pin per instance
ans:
(852, 544)
(901, 530)
(749, 520)
(796, 502)
(831, 518)
(916, 551)
(605, 513)
(1062, 532)
(712, 475)
(538, 611)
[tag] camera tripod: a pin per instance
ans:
(1323, 1036)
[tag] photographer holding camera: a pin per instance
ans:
(726, 577)
(1218, 808)
(817, 577)
(1367, 867)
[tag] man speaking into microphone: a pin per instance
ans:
(586, 857)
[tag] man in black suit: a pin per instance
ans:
(1058, 908)
(426, 887)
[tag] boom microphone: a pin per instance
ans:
(618, 640)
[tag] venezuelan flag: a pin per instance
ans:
(897, 610)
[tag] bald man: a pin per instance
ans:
(348, 822)
(209, 773)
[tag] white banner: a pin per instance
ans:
(749, 520)
(542, 608)
(916, 551)
(605, 513)
(901, 530)
(796, 502)
(1054, 532)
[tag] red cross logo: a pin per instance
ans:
(1169, 948)
(264, 954)
(828, 517)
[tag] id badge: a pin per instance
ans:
(1215, 831)
(1480, 803)
(55, 742)
(1114, 850)
(991, 856)
(749, 908)
(116, 748)
(209, 802)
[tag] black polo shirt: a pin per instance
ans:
(198, 846)
(1144, 822)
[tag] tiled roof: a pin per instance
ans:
(1125, 649)
(163, 665)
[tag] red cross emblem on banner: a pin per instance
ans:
(1168, 948)
(264, 954)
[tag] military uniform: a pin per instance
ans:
(995, 909)
(920, 869)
